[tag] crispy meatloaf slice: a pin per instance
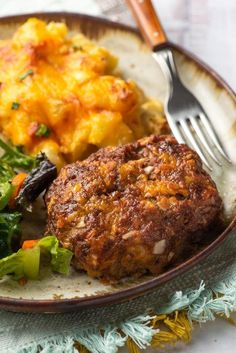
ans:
(131, 209)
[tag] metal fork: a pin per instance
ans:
(186, 117)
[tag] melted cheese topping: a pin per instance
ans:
(66, 83)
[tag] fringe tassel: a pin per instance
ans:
(173, 323)
(56, 345)
(175, 327)
(80, 348)
(219, 300)
(180, 326)
(132, 346)
(139, 330)
(181, 301)
(107, 340)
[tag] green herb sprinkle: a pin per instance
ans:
(28, 73)
(42, 131)
(15, 106)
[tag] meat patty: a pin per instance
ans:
(131, 209)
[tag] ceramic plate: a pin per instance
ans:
(55, 293)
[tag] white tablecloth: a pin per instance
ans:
(208, 29)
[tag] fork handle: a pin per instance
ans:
(148, 22)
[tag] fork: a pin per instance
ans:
(186, 117)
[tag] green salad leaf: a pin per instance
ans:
(26, 262)
(6, 174)
(9, 232)
(23, 263)
(15, 158)
(60, 257)
(5, 194)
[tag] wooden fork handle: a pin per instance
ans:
(148, 22)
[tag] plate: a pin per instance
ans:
(94, 300)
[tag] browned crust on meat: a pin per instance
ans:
(131, 209)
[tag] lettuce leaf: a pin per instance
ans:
(60, 257)
(26, 262)
(23, 263)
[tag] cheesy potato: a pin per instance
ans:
(59, 95)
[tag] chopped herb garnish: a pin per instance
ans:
(42, 131)
(28, 73)
(15, 106)
(77, 47)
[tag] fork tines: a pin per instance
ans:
(187, 118)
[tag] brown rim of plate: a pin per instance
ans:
(63, 305)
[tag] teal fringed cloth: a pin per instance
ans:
(56, 333)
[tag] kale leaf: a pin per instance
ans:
(14, 157)
(9, 232)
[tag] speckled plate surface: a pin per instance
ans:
(55, 293)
